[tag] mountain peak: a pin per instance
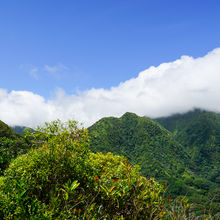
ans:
(129, 115)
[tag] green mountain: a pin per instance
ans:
(181, 149)
(199, 132)
(178, 121)
(146, 143)
(142, 141)
(5, 130)
(19, 129)
(165, 155)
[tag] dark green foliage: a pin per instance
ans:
(199, 132)
(5, 130)
(178, 121)
(11, 145)
(201, 137)
(164, 155)
(42, 184)
(143, 142)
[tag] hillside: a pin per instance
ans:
(5, 130)
(19, 129)
(157, 151)
(186, 156)
(148, 144)
(11, 145)
(142, 141)
(178, 121)
(199, 132)
(63, 179)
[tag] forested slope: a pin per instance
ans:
(199, 132)
(142, 141)
(11, 145)
(182, 150)
(160, 153)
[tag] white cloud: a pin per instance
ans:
(158, 91)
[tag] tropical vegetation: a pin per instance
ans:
(168, 168)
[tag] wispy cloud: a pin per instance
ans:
(34, 73)
(172, 87)
(30, 69)
(56, 70)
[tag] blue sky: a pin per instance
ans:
(52, 47)
(98, 43)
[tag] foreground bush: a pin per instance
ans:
(62, 179)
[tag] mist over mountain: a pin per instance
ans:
(171, 87)
(19, 129)
(199, 132)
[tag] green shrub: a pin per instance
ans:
(201, 183)
(62, 179)
(11, 145)
(10, 148)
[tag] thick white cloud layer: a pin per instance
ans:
(158, 91)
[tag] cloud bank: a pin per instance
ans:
(172, 87)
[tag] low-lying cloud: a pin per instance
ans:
(157, 91)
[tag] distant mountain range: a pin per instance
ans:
(19, 129)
